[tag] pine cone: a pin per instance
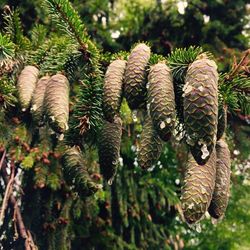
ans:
(109, 148)
(220, 198)
(26, 84)
(37, 100)
(201, 108)
(161, 99)
(113, 84)
(56, 103)
(136, 76)
(76, 173)
(198, 188)
(222, 122)
(150, 145)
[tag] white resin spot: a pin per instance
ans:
(200, 142)
(34, 107)
(110, 181)
(168, 120)
(162, 125)
(201, 88)
(203, 190)
(134, 116)
(191, 206)
(148, 106)
(177, 181)
(198, 228)
(187, 89)
(205, 152)
(99, 186)
(60, 137)
(121, 161)
(133, 148)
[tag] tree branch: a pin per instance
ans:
(24, 233)
(2, 159)
(7, 194)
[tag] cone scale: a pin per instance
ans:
(136, 76)
(37, 110)
(26, 84)
(221, 193)
(112, 92)
(150, 147)
(222, 122)
(109, 148)
(56, 103)
(201, 108)
(76, 173)
(161, 99)
(199, 183)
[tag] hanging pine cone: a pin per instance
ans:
(76, 173)
(56, 103)
(136, 76)
(109, 148)
(150, 145)
(222, 121)
(220, 198)
(26, 84)
(198, 188)
(113, 83)
(201, 108)
(161, 99)
(37, 100)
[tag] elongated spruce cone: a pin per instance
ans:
(221, 193)
(161, 100)
(222, 122)
(56, 103)
(37, 109)
(26, 84)
(150, 147)
(201, 108)
(76, 174)
(109, 148)
(112, 92)
(198, 188)
(136, 76)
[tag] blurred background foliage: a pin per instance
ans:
(141, 210)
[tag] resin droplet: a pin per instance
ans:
(110, 181)
(134, 116)
(200, 88)
(168, 120)
(162, 125)
(205, 152)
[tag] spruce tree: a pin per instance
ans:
(53, 194)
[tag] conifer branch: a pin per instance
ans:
(67, 18)
(14, 30)
(7, 49)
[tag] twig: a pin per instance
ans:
(7, 194)
(2, 159)
(241, 63)
(23, 232)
